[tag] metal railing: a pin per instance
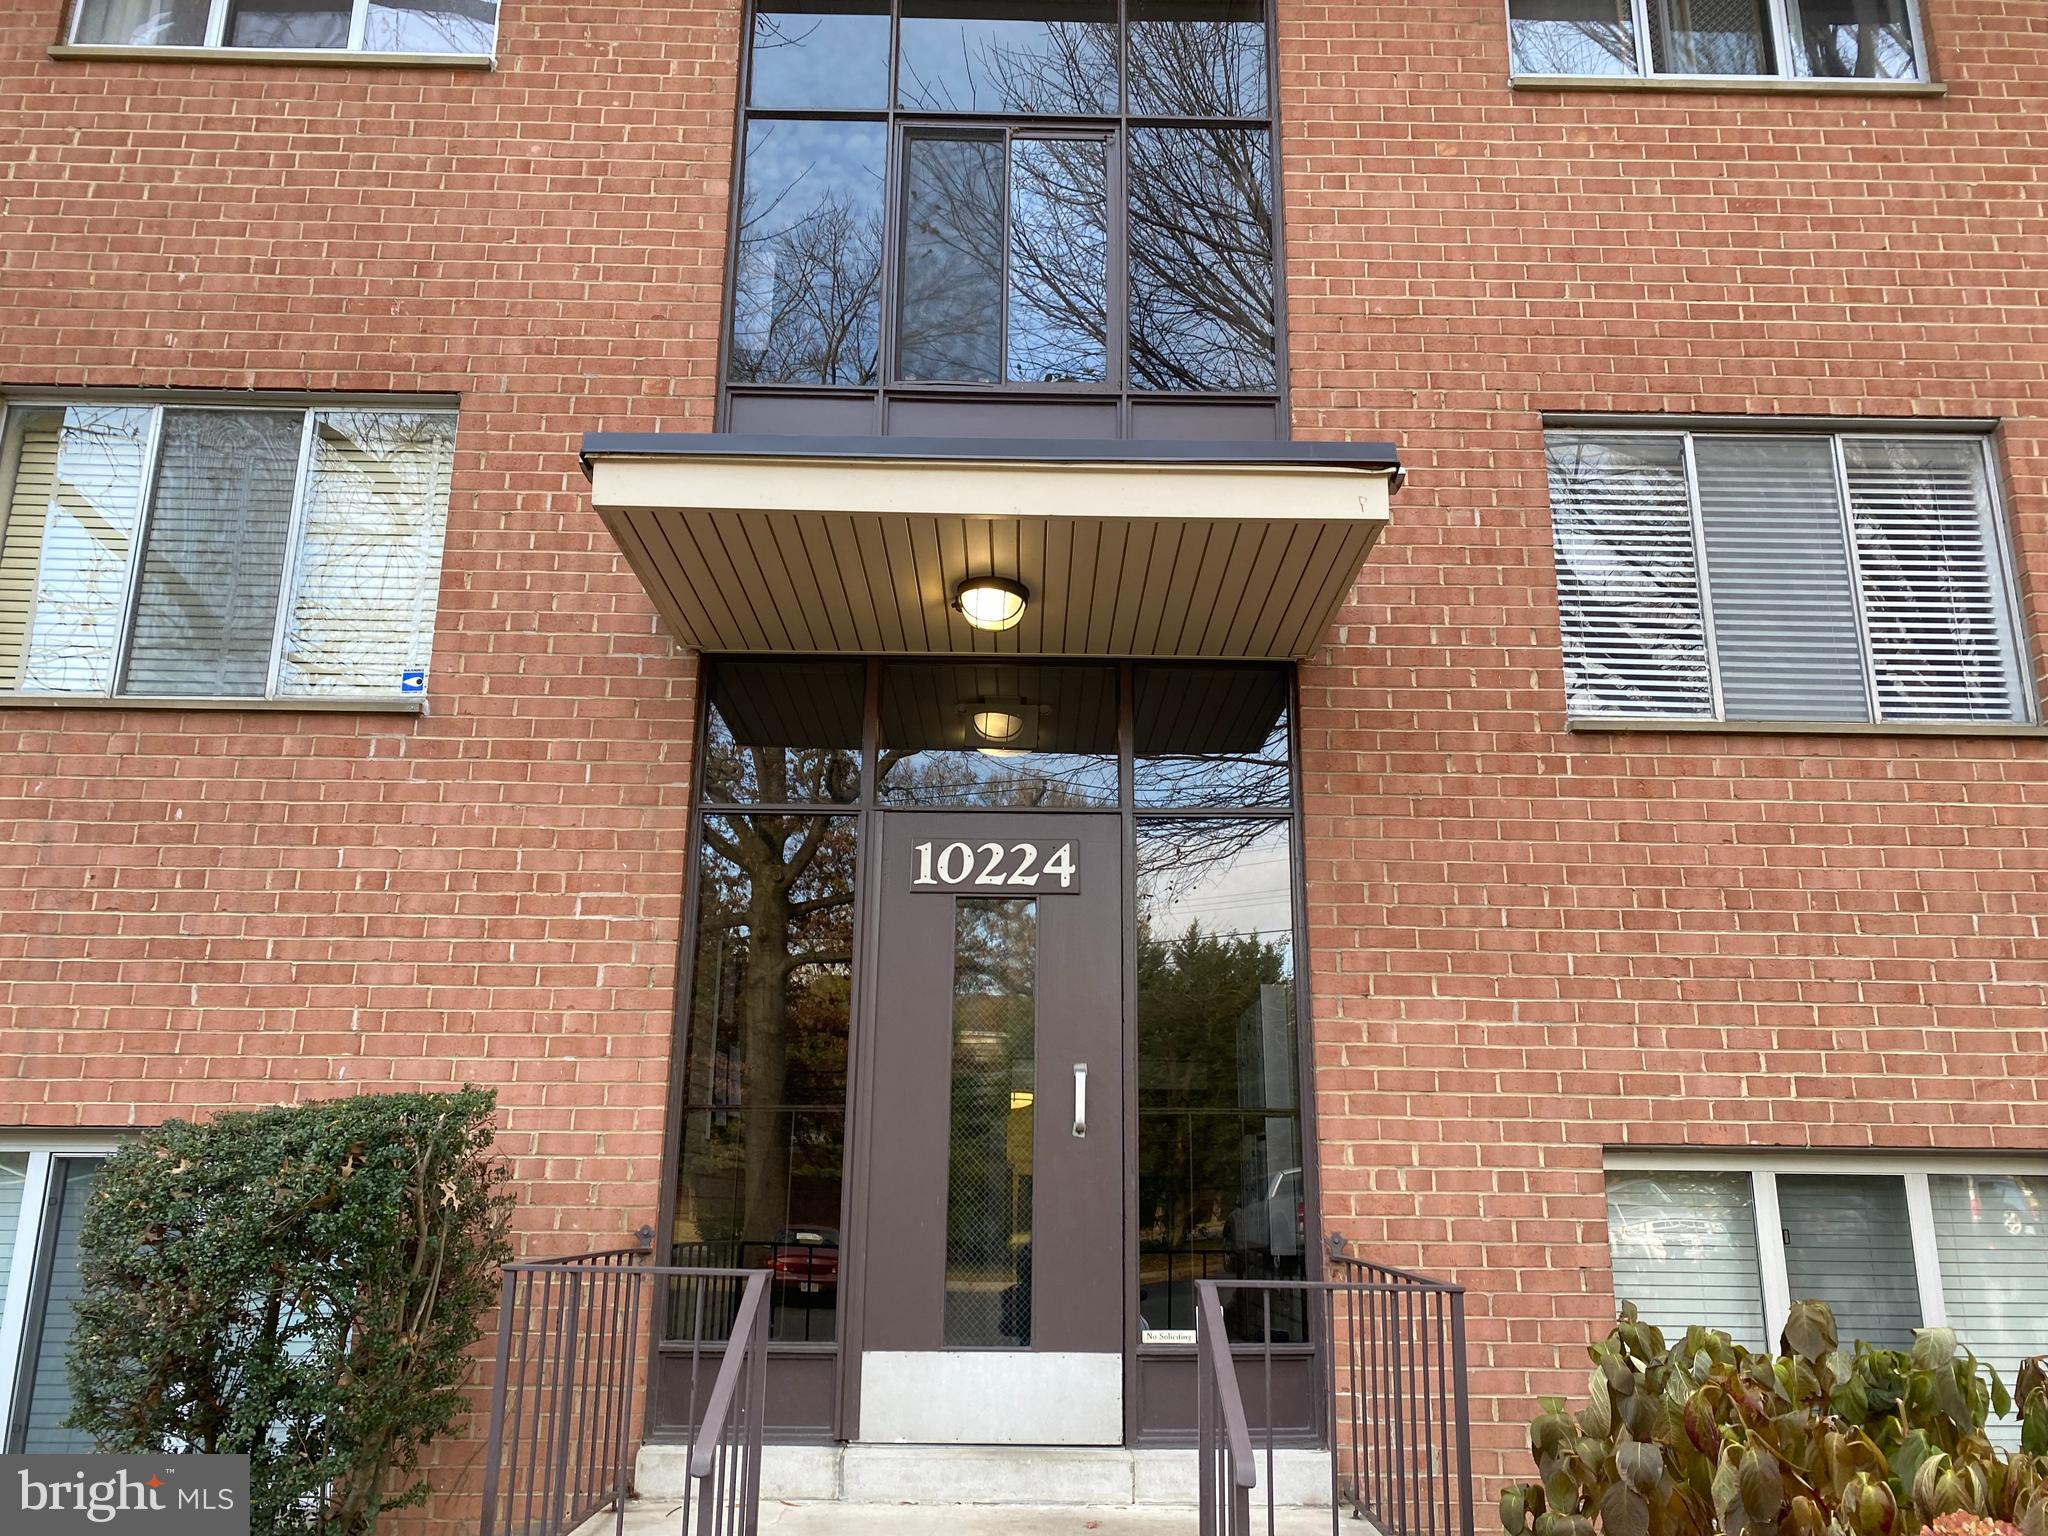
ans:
(1225, 1471)
(567, 1394)
(1388, 1362)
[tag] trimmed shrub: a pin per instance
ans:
(298, 1285)
(1706, 1438)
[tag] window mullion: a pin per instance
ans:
(124, 641)
(1700, 576)
(1003, 236)
(301, 494)
(1641, 17)
(20, 1280)
(1920, 69)
(1779, 12)
(217, 24)
(1926, 1254)
(1770, 1256)
(1871, 705)
(358, 25)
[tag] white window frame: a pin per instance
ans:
(217, 32)
(1779, 15)
(28, 1249)
(2008, 594)
(1763, 1169)
(310, 408)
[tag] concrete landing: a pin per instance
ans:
(890, 1476)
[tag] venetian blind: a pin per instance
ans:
(1784, 609)
(1627, 578)
(95, 508)
(1684, 1251)
(1991, 1231)
(206, 620)
(47, 1385)
(1934, 586)
(361, 616)
(32, 448)
(1849, 1243)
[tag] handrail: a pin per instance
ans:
(569, 1385)
(725, 1390)
(1216, 1344)
(1385, 1351)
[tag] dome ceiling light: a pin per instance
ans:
(997, 725)
(991, 602)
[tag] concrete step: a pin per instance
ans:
(1101, 1477)
(651, 1517)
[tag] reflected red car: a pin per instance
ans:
(806, 1261)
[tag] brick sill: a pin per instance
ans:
(327, 56)
(1961, 728)
(331, 704)
(1728, 85)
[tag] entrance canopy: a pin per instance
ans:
(795, 544)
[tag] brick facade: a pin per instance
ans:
(1526, 943)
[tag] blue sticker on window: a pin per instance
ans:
(413, 682)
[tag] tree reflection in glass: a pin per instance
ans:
(1201, 242)
(784, 732)
(807, 283)
(952, 258)
(1572, 37)
(819, 54)
(765, 1071)
(1211, 735)
(1197, 58)
(1220, 1174)
(1012, 56)
(1059, 260)
(1853, 39)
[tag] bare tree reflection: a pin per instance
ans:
(1573, 37)
(808, 267)
(1199, 197)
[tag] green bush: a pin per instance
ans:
(298, 1285)
(1708, 1437)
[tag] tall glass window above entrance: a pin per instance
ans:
(1061, 214)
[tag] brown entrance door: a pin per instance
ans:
(992, 1295)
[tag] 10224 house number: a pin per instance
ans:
(1021, 866)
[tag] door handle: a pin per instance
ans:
(1080, 1098)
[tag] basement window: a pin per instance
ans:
(1849, 41)
(452, 28)
(1891, 1245)
(160, 551)
(43, 1191)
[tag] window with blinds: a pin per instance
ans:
(1991, 1230)
(1684, 1250)
(1799, 578)
(1890, 1247)
(168, 551)
(43, 1194)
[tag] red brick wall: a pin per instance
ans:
(1530, 943)
(201, 910)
